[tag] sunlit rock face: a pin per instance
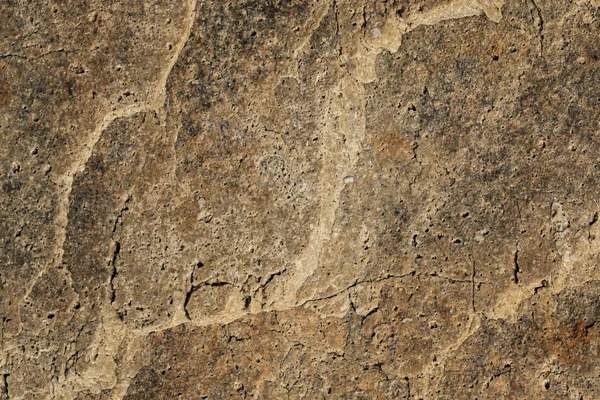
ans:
(299, 199)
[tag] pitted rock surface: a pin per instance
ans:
(372, 199)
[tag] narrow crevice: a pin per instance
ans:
(188, 296)
(71, 361)
(3, 56)
(516, 267)
(590, 236)
(217, 284)
(114, 273)
(415, 146)
(5, 382)
(594, 219)
(589, 326)
(247, 302)
(192, 289)
(270, 279)
(363, 26)
(367, 315)
(473, 284)
(543, 285)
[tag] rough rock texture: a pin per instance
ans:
(269, 199)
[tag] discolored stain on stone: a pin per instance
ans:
(5, 93)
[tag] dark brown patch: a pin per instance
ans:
(572, 342)
(5, 93)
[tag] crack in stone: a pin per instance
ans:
(516, 267)
(5, 388)
(342, 137)
(540, 26)
(114, 273)
(345, 126)
(357, 283)
(325, 227)
(115, 331)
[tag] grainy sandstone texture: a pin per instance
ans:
(271, 199)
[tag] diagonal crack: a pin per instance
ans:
(357, 283)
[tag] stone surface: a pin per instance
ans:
(299, 199)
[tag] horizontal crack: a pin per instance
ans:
(380, 279)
